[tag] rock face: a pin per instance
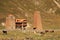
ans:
(37, 20)
(10, 22)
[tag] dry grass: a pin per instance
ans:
(19, 35)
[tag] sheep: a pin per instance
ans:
(4, 32)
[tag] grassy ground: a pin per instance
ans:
(19, 35)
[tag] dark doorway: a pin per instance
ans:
(18, 25)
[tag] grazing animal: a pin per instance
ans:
(28, 38)
(52, 31)
(4, 32)
(42, 33)
(34, 28)
(46, 31)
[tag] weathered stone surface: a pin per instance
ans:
(37, 20)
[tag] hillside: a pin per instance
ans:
(50, 11)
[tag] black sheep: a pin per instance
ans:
(4, 32)
(42, 33)
(46, 31)
(52, 31)
(34, 28)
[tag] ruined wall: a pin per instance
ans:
(10, 22)
(37, 20)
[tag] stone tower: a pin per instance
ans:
(37, 20)
(10, 22)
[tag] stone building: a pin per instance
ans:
(13, 23)
(21, 23)
(10, 22)
(37, 20)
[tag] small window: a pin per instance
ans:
(18, 22)
(24, 23)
